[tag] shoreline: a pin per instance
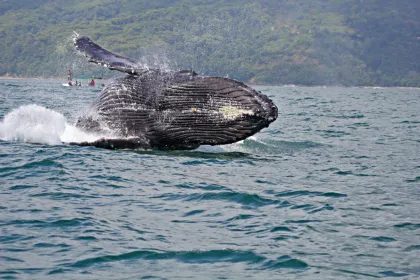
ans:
(250, 84)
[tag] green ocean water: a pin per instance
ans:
(330, 190)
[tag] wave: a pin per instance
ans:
(237, 197)
(36, 124)
(212, 256)
(75, 222)
(198, 257)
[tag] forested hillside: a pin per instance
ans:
(317, 42)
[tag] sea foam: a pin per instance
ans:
(37, 124)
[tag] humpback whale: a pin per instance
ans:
(151, 108)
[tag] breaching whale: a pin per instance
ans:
(151, 108)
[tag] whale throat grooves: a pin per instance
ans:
(179, 112)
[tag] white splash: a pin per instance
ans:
(37, 124)
(239, 146)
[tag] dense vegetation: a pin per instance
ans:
(317, 42)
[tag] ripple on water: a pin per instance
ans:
(301, 221)
(415, 180)
(241, 217)
(193, 212)
(390, 273)
(8, 259)
(208, 162)
(348, 173)
(211, 256)
(293, 193)
(382, 239)
(237, 197)
(44, 163)
(285, 262)
(412, 248)
(21, 187)
(281, 228)
(64, 195)
(409, 226)
(61, 223)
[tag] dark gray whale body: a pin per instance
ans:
(169, 110)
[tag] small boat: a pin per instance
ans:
(86, 85)
(90, 82)
(71, 85)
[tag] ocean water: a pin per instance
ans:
(331, 190)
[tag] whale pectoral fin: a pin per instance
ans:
(98, 55)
